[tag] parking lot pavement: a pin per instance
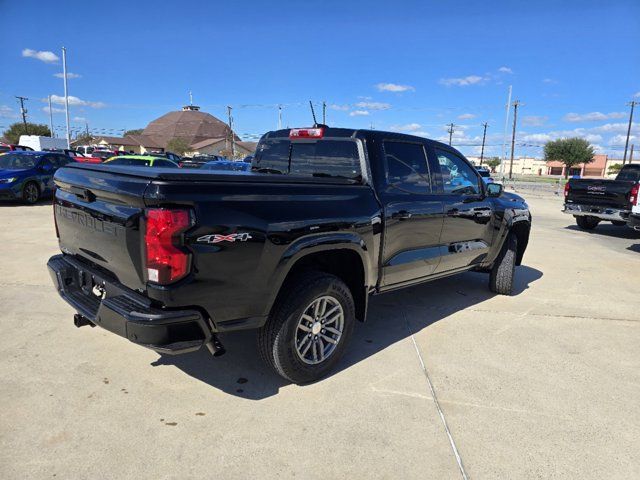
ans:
(542, 384)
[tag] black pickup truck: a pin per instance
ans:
(592, 201)
(170, 258)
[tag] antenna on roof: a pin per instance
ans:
(313, 113)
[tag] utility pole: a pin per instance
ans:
(23, 111)
(506, 129)
(516, 104)
(86, 128)
(450, 130)
(233, 143)
(484, 136)
(626, 145)
(66, 94)
(631, 154)
(51, 119)
(324, 112)
(279, 117)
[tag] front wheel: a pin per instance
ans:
(30, 193)
(309, 327)
(503, 270)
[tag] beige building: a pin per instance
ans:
(521, 166)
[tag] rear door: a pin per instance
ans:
(412, 214)
(467, 233)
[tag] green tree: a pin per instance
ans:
(83, 139)
(614, 168)
(570, 151)
(178, 145)
(492, 163)
(12, 134)
(135, 131)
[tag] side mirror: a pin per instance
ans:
(494, 189)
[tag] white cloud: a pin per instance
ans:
(75, 101)
(534, 121)
(7, 112)
(79, 119)
(464, 81)
(69, 75)
(505, 70)
(636, 95)
(619, 140)
(614, 128)
(466, 116)
(44, 56)
(409, 127)
(341, 108)
(592, 116)
(549, 81)
(53, 110)
(359, 113)
(394, 87)
(373, 105)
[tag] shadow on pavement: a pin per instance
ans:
(634, 248)
(18, 203)
(242, 373)
(608, 230)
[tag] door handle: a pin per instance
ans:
(401, 215)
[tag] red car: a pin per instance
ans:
(7, 147)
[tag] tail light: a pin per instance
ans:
(306, 132)
(166, 260)
(633, 196)
(567, 188)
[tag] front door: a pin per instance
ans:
(412, 214)
(467, 231)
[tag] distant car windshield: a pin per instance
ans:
(136, 162)
(484, 173)
(13, 161)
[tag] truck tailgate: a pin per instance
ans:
(605, 193)
(98, 219)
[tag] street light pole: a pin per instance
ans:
(484, 136)
(66, 94)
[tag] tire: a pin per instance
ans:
(283, 331)
(30, 193)
(619, 223)
(503, 270)
(587, 223)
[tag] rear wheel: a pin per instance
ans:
(30, 193)
(587, 223)
(503, 270)
(309, 328)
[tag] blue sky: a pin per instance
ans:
(406, 66)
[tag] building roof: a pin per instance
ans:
(191, 125)
(206, 143)
(130, 141)
(250, 146)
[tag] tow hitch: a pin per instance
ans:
(80, 321)
(215, 347)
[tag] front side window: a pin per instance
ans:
(16, 161)
(457, 175)
(406, 168)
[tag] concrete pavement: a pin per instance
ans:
(543, 384)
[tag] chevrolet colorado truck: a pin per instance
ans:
(592, 201)
(171, 258)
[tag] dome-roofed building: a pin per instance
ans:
(189, 124)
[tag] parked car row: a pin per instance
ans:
(592, 201)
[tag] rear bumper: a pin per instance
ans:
(634, 221)
(110, 305)
(603, 213)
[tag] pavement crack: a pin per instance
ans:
(452, 442)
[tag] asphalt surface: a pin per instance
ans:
(544, 384)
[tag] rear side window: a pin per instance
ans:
(324, 158)
(406, 167)
(629, 174)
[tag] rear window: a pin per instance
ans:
(324, 158)
(629, 174)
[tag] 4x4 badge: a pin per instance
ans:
(233, 237)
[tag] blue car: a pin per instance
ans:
(28, 176)
(227, 165)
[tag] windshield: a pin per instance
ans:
(13, 161)
(484, 173)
